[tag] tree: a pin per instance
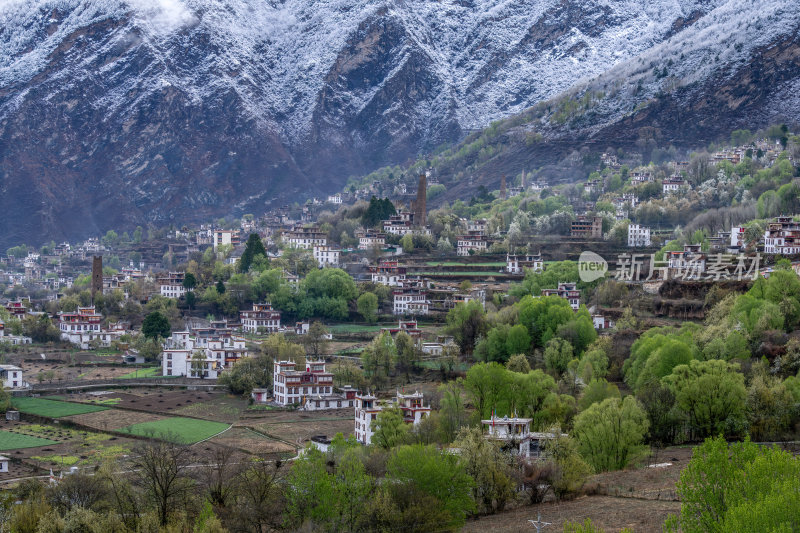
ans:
(570, 470)
(557, 355)
(156, 325)
(407, 242)
(420, 473)
(712, 394)
(518, 363)
(769, 408)
(466, 322)
(367, 305)
(316, 340)
(452, 413)
(389, 429)
(738, 487)
(596, 391)
(406, 353)
(220, 286)
(189, 281)
(309, 490)
(610, 433)
(159, 470)
(198, 364)
(252, 249)
(488, 467)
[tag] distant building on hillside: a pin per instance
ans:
(638, 236)
(516, 264)
(568, 291)
(587, 227)
(261, 318)
(291, 386)
(782, 236)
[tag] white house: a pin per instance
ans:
(367, 408)
(11, 377)
(326, 256)
(223, 237)
(410, 302)
(291, 386)
(638, 235)
(514, 436)
(782, 236)
(261, 318)
(83, 327)
(203, 357)
(171, 285)
(3, 464)
(473, 242)
(335, 199)
(516, 264)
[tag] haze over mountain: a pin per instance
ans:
(118, 113)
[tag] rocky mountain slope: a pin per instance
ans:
(115, 113)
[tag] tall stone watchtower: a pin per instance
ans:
(97, 275)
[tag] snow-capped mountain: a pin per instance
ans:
(120, 112)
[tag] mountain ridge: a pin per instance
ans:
(118, 113)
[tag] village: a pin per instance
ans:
(370, 314)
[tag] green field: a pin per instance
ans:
(15, 441)
(152, 372)
(457, 264)
(177, 429)
(53, 408)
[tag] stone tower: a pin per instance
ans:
(503, 187)
(420, 207)
(97, 275)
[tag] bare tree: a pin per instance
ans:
(159, 472)
(259, 498)
(220, 475)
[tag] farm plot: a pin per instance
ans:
(113, 419)
(299, 427)
(252, 442)
(177, 429)
(53, 408)
(16, 441)
(221, 408)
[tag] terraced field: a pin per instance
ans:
(53, 408)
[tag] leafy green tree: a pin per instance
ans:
(220, 287)
(309, 490)
(543, 316)
(518, 363)
(252, 249)
(656, 353)
(156, 325)
(466, 322)
(611, 433)
(453, 414)
(770, 408)
(407, 242)
(666, 422)
(738, 487)
(189, 281)
(557, 355)
(406, 354)
(555, 273)
(420, 473)
(571, 471)
(389, 429)
(596, 391)
(486, 384)
(488, 467)
(712, 394)
(502, 342)
(367, 305)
